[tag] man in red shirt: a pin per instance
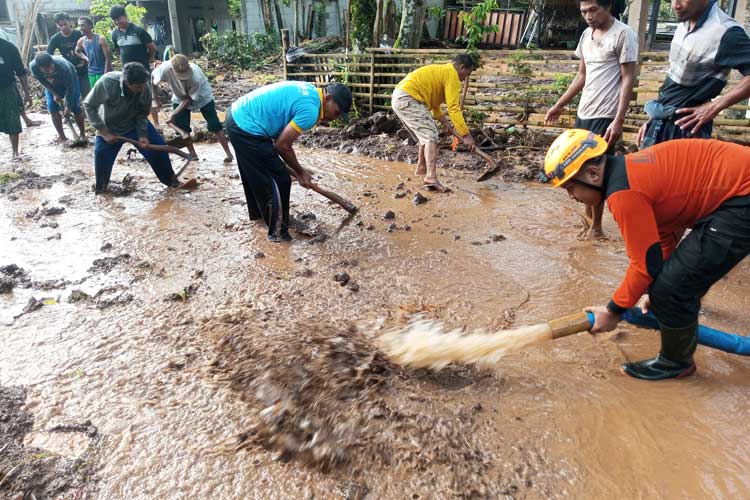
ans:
(654, 196)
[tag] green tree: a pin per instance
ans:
(233, 9)
(362, 20)
(104, 25)
(475, 28)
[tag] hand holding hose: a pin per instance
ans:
(604, 319)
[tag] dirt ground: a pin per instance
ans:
(156, 345)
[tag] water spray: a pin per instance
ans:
(426, 344)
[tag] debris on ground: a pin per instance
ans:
(342, 278)
(78, 296)
(123, 188)
(6, 284)
(28, 472)
(419, 199)
(33, 305)
(322, 394)
(106, 264)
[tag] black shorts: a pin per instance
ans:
(598, 126)
(213, 124)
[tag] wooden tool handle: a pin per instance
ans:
(485, 156)
(157, 147)
(343, 202)
(570, 325)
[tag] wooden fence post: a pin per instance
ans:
(372, 82)
(284, 48)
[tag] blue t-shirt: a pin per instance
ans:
(268, 110)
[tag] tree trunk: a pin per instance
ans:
(361, 22)
(279, 19)
(412, 23)
(391, 20)
(441, 22)
(265, 8)
(378, 23)
(295, 34)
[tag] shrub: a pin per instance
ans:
(238, 49)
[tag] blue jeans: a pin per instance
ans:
(105, 155)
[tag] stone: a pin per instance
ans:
(419, 199)
(342, 278)
(389, 215)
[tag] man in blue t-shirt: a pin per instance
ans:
(62, 89)
(262, 126)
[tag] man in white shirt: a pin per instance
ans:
(608, 50)
(191, 92)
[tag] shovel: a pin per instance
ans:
(77, 140)
(342, 202)
(157, 147)
(166, 149)
(492, 168)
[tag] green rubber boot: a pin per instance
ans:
(675, 360)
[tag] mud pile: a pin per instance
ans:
(519, 152)
(29, 472)
(321, 393)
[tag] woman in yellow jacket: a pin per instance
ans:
(416, 101)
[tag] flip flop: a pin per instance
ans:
(435, 186)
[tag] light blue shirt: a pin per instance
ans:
(268, 110)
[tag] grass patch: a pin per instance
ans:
(6, 177)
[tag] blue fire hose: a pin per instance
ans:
(709, 337)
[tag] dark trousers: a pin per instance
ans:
(264, 177)
(598, 126)
(105, 155)
(714, 246)
(666, 130)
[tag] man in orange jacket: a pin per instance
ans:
(654, 196)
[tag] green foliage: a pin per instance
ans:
(104, 25)
(345, 70)
(233, 47)
(475, 27)
(474, 118)
(233, 9)
(437, 13)
(6, 177)
(361, 20)
(518, 66)
(562, 82)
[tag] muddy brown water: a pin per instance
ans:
(557, 420)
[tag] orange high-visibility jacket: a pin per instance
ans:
(657, 193)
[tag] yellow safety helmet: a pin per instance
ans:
(569, 152)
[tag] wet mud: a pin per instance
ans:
(213, 363)
(28, 471)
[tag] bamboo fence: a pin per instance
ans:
(513, 87)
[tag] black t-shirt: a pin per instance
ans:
(132, 44)
(67, 46)
(10, 64)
